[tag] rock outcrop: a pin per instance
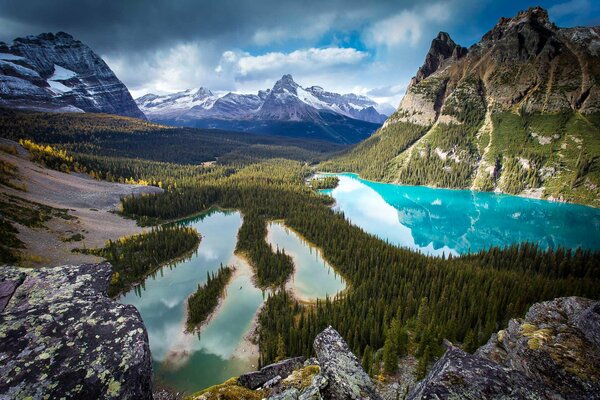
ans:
(442, 48)
(335, 374)
(347, 379)
(55, 72)
(61, 337)
(553, 353)
(256, 379)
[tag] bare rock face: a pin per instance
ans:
(442, 48)
(553, 353)
(345, 376)
(525, 60)
(55, 72)
(556, 344)
(61, 337)
(256, 379)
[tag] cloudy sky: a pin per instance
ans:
(363, 46)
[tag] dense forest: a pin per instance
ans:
(463, 299)
(398, 301)
(324, 182)
(206, 298)
(134, 257)
(110, 136)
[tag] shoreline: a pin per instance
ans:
(550, 199)
(198, 328)
(288, 284)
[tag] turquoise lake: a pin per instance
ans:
(436, 221)
(190, 362)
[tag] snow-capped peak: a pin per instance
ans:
(287, 100)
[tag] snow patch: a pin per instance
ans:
(62, 74)
(20, 69)
(58, 88)
(7, 56)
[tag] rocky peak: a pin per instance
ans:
(202, 93)
(55, 72)
(523, 36)
(442, 48)
(534, 16)
(286, 83)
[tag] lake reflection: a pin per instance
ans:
(189, 362)
(436, 221)
(313, 277)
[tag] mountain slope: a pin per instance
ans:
(286, 109)
(55, 72)
(518, 112)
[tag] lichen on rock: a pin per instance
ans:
(61, 337)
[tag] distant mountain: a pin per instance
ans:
(286, 109)
(518, 112)
(55, 72)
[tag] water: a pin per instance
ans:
(313, 277)
(436, 221)
(191, 362)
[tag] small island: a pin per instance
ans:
(202, 303)
(324, 182)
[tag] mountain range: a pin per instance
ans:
(518, 112)
(287, 107)
(55, 72)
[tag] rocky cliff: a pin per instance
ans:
(55, 72)
(518, 112)
(61, 337)
(552, 353)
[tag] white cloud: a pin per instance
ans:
(183, 66)
(244, 65)
(408, 26)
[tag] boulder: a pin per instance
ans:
(345, 376)
(256, 379)
(553, 353)
(461, 375)
(61, 337)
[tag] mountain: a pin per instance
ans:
(55, 72)
(286, 109)
(518, 112)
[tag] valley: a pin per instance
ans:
(295, 242)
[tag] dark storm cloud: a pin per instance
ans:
(136, 24)
(243, 45)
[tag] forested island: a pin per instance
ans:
(202, 303)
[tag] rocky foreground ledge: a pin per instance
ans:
(61, 337)
(553, 353)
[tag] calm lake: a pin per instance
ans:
(190, 362)
(436, 221)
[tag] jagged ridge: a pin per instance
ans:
(518, 112)
(55, 72)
